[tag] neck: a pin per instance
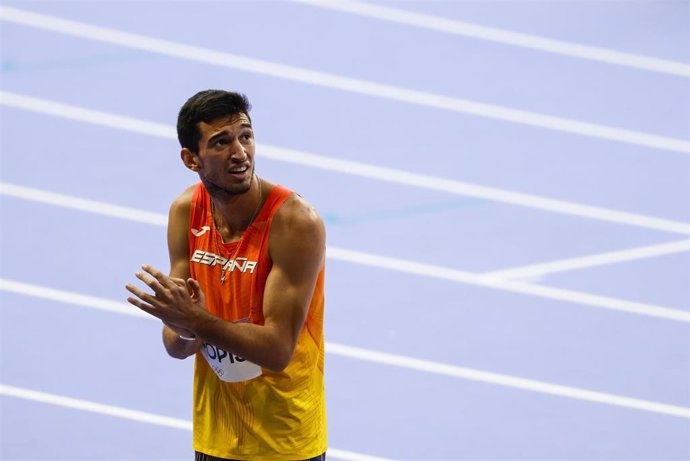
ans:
(234, 214)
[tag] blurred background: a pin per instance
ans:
(505, 184)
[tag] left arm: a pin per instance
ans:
(297, 247)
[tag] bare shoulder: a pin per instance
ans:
(298, 217)
(178, 221)
(178, 225)
(297, 232)
(183, 202)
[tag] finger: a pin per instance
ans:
(146, 297)
(177, 281)
(160, 314)
(151, 282)
(135, 290)
(194, 287)
(144, 307)
(197, 294)
(163, 279)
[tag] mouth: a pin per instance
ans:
(239, 172)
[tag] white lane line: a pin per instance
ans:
(82, 114)
(94, 407)
(311, 77)
(72, 298)
(503, 36)
(395, 264)
(355, 168)
(474, 190)
(425, 366)
(535, 271)
(138, 416)
(523, 288)
(506, 380)
(81, 204)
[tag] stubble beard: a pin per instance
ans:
(220, 193)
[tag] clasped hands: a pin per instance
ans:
(177, 302)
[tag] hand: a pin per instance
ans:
(178, 303)
(194, 290)
(196, 294)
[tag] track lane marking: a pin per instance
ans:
(138, 415)
(355, 168)
(538, 270)
(503, 36)
(372, 260)
(339, 82)
(401, 361)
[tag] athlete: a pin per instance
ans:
(244, 294)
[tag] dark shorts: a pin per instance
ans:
(204, 457)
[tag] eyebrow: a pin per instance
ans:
(225, 132)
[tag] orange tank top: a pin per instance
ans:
(275, 415)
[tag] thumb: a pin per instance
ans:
(195, 290)
(194, 287)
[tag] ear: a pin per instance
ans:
(190, 159)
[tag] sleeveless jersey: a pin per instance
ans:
(275, 415)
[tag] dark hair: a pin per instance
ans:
(207, 106)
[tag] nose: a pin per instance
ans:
(239, 154)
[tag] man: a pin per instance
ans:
(244, 294)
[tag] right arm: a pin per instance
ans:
(178, 249)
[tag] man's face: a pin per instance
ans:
(226, 155)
